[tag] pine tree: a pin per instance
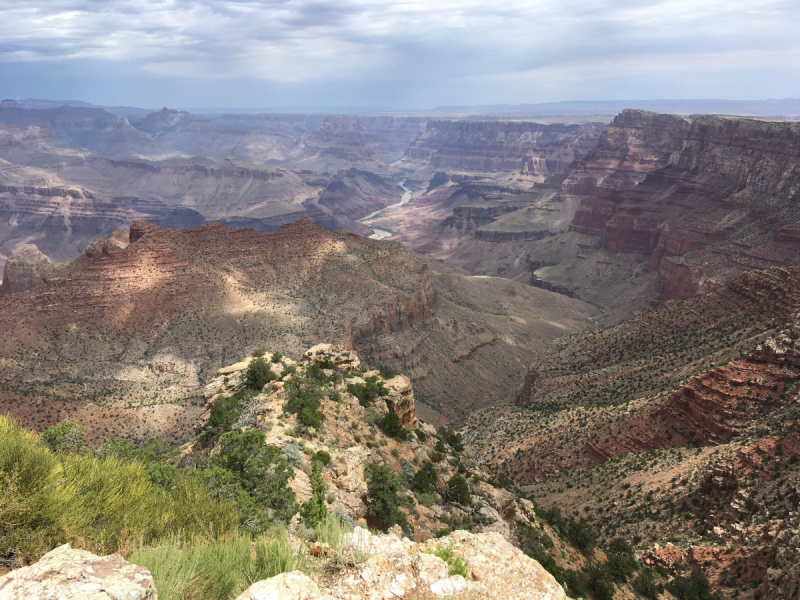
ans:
(314, 511)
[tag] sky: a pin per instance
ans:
(395, 54)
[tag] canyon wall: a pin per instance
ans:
(504, 145)
(721, 203)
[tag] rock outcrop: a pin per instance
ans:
(68, 574)
(25, 269)
(783, 577)
(397, 567)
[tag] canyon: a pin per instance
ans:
(606, 312)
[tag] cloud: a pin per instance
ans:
(442, 49)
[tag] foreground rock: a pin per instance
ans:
(398, 567)
(68, 574)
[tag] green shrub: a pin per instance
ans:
(158, 448)
(100, 504)
(696, 587)
(368, 391)
(162, 474)
(382, 500)
(314, 510)
(315, 373)
(646, 585)
(390, 424)
(620, 546)
(258, 352)
(262, 472)
(258, 374)
(304, 396)
(436, 457)
(327, 363)
(119, 449)
(451, 438)
(600, 582)
(276, 357)
(424, 479)
(458, 490)
(322, 456)
(224, 413)
(621, 566)
(421, 435)
(387, 371)
(455, 563)
(580, 535)
(574, 584)
(65, 437)
(443, 532)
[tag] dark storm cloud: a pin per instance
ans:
(243, 52)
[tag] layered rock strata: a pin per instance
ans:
(503, 145)
(723, 200)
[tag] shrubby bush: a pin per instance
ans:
(304, 396)
(162, 474)
(424, 480)
(574, 584)
(696, 587)
(458, 491)
(387, 371)
(322, 456)
(382, 500)
(262, 472)
(314, 510)
(451, 439)
(258, 374)
(390, 424)
(224, 413)
(647, 586)
(600, 582)
(369, 391)
(65, 437)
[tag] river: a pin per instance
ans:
(383, 212)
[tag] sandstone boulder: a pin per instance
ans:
(69, 574)
(286, 586)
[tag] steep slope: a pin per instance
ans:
(677, 426)
(147, 324)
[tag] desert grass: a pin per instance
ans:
(216, 569)
(101, 505)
